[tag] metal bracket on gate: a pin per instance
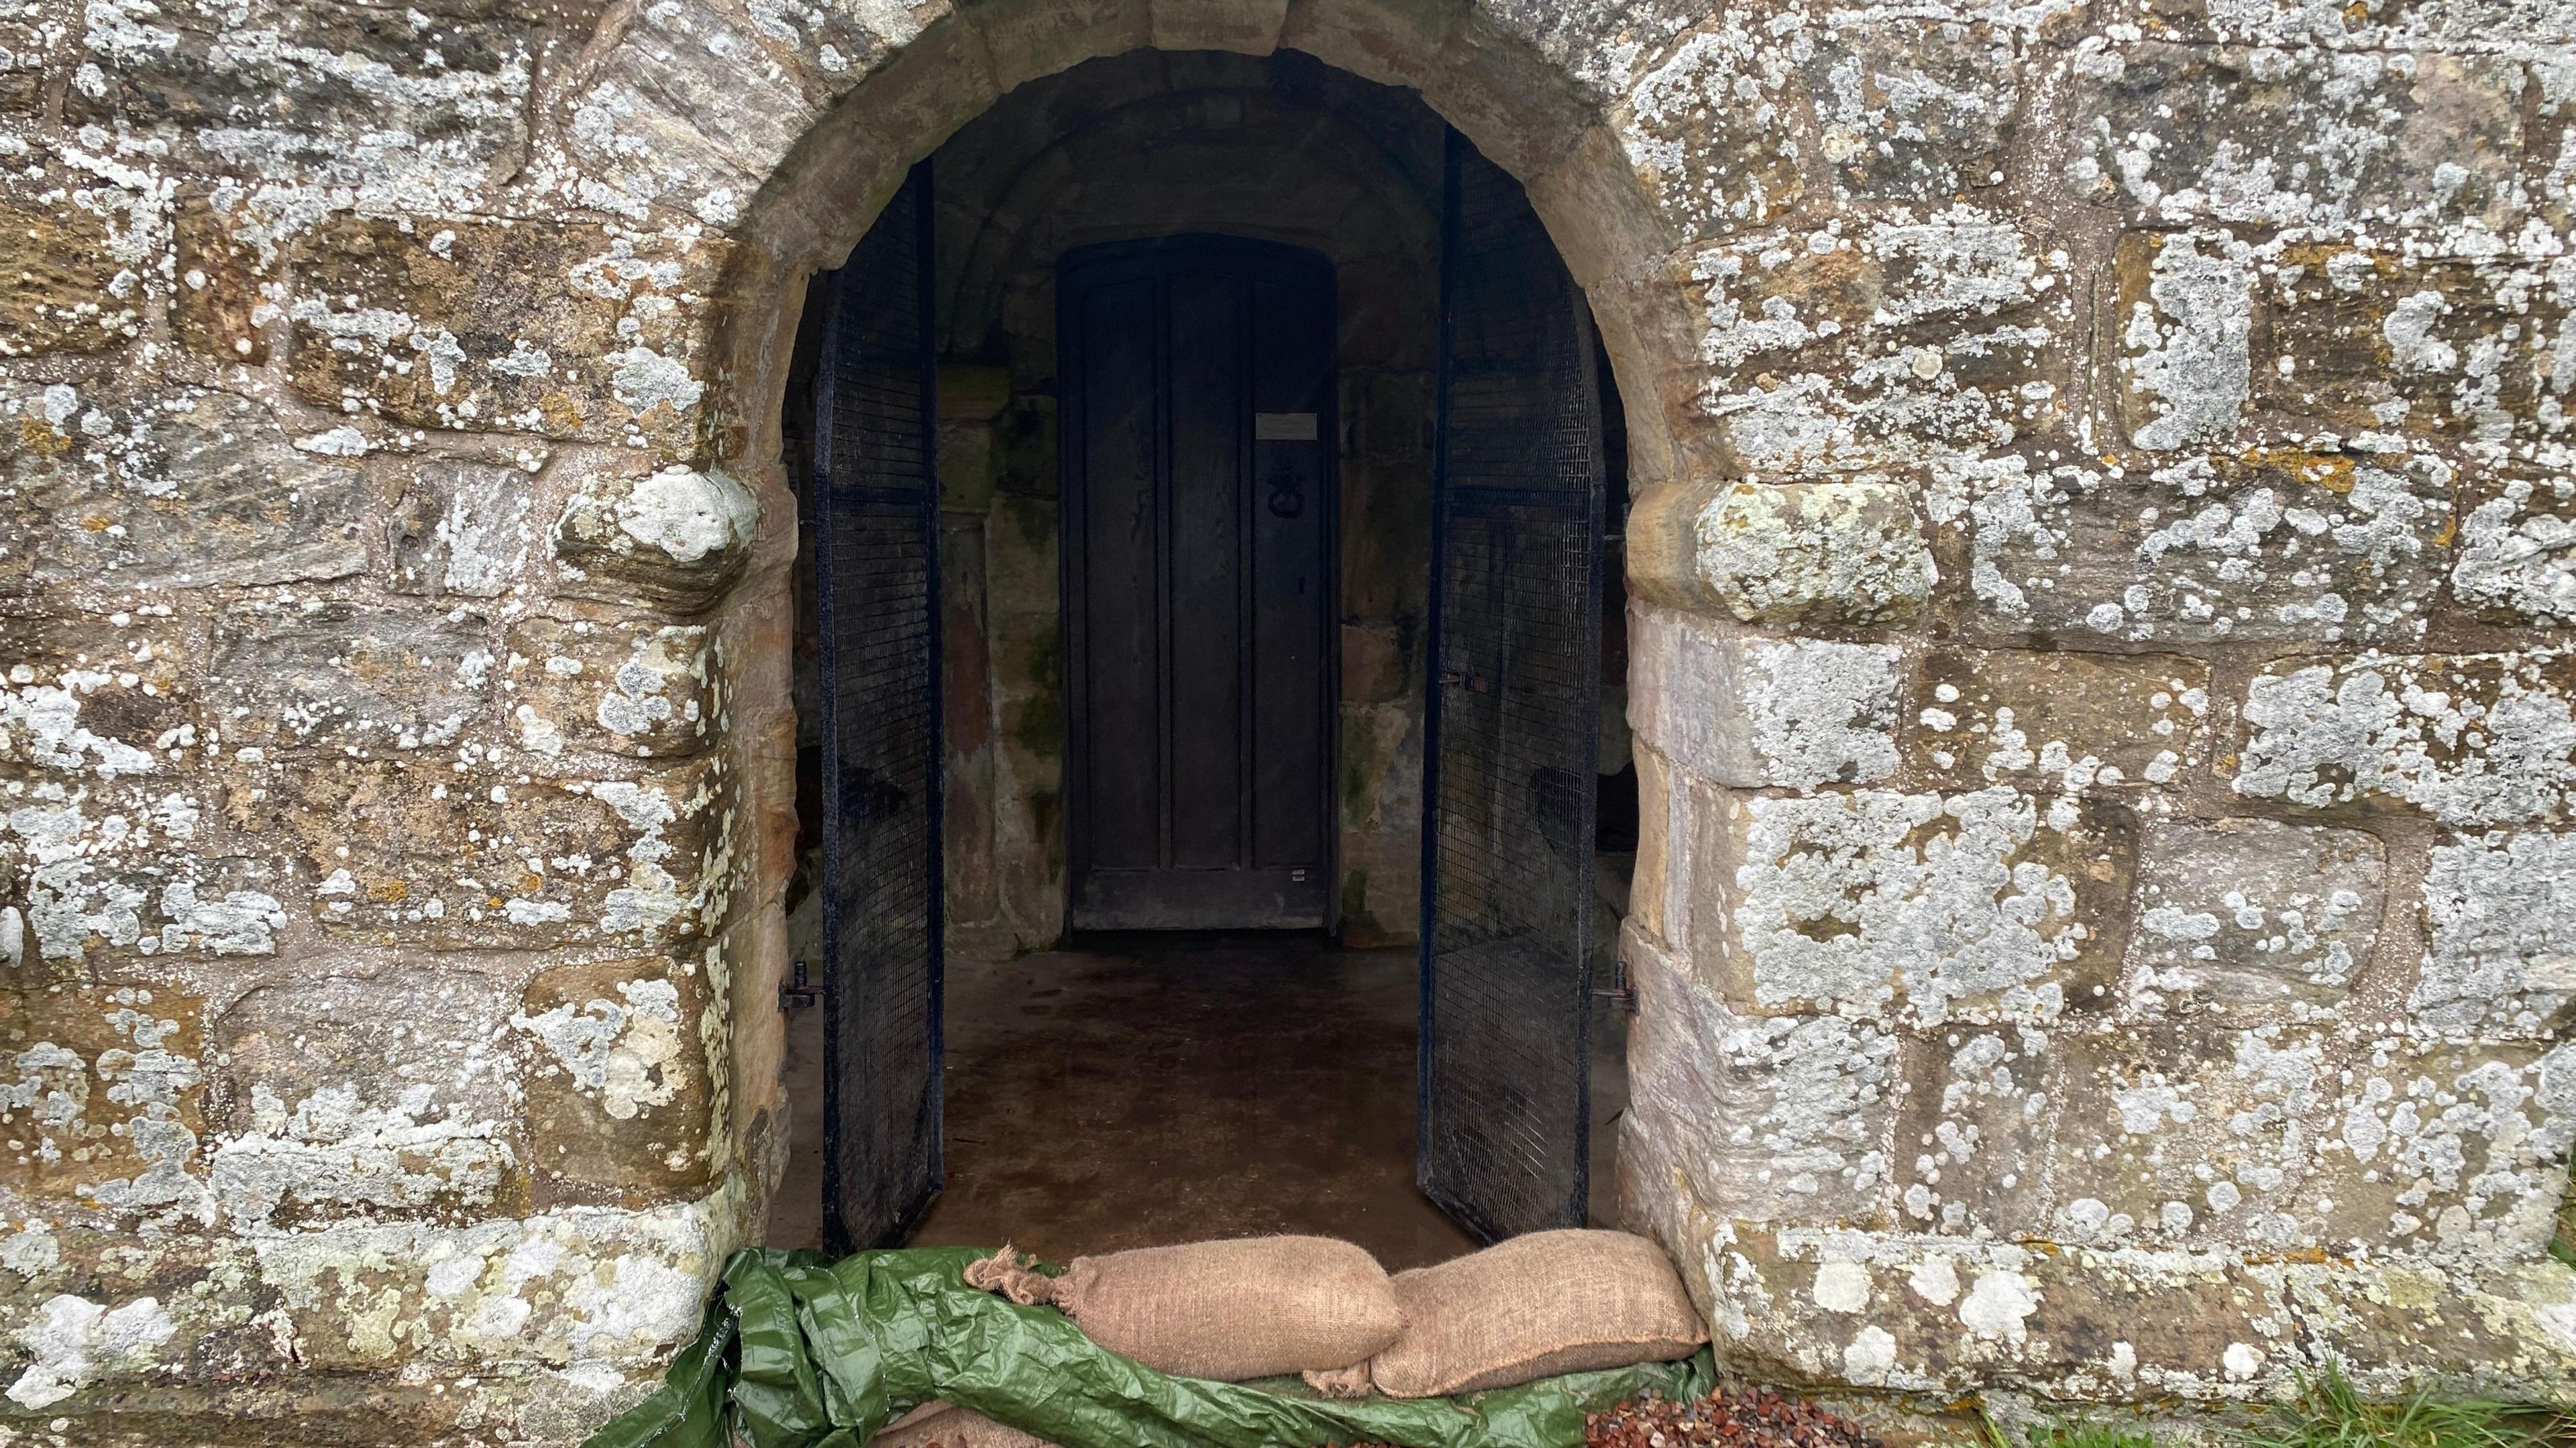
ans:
(798, 994)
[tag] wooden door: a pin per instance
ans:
(1196, 419)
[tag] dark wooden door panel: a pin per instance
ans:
(1197, 380)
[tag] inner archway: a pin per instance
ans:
(1104, 1077)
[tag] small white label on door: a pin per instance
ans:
(1283, 427)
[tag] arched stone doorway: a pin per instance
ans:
(1282, 1101)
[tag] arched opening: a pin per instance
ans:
(1186, 373)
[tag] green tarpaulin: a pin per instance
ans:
(802, 1352)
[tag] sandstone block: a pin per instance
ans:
(2502, 959)
(98, 874)
(462, 528)
(2470, 739)
(1902, 339)
(1990, 906)
(1709, 127)
(2189, 1135)
(71, 282)
(2248, 917)
(2240, 139)
(81, 695)
(569, 331)
(2453, 1152)
(414, 852)
(1761, 1118)
(348, 677)
(2373, 341)
(1751, 711)
(101, 491)
(217, 308)
(2514, 562)
(1915, 112)
(2263, 546)
(618, 1087)
(102, 1097)
(395, 106)
(1827, 553)
(678, 537)
(647, 690)
(2185, 315)
(2078, 721)
(388, 1096)
(1972, 1134)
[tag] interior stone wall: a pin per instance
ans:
(2098, 666)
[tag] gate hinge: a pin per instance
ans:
(1624, 995)
(798, 994)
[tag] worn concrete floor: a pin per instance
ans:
(1152, 1090)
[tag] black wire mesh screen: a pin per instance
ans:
(874, 503)
(1516, 636)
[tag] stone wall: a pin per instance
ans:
(2098, 669)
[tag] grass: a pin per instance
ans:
(2563, 1246)
(2330, 1413)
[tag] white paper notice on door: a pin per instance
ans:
(1283, 426)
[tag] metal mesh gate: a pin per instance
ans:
(874, 504)
(1516, 637)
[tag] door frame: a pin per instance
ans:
(1155, 256)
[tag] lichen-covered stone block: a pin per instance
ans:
(104, 698)
(2185, 316)
(1846, 552)
(2454, 1152)
(2073, 721)
(618, 1086)
(1989, 906)
(1973, 1132)
(411, 851)
(2176, 133)
(677, 537)
(350, 678)
(2501, 911)
(1916, 112)
(1751, 711)
(2370, 341)
(2470, 739)
(391, 1095)
(1711, 126)
(103, 489)
(93, 876)
(2253, 917)
(1765, 1118)
(463, 527)
(642, 689)
(71, 258)
(1880, 345)
(564, 331)
(2514, 552)
(2266, 545)
(218, 306)
(102, 1099)
(2188, 1134)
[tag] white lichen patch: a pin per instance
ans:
(2471, 740)
(2253, 915)
(72, 1339)
(331, 1152)
(2503, 954)
(2189, 350)
(625, 1053)
(2457, 1152)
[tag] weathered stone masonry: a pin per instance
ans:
(2101, 669)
